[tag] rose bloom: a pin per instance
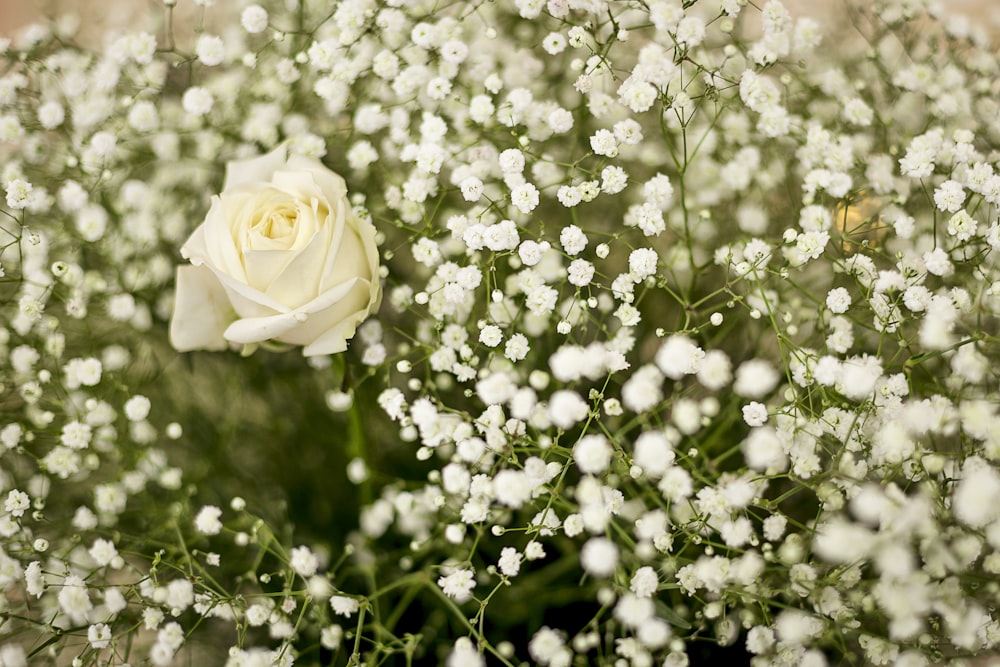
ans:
(281, 256)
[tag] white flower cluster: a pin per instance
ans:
(689, 324)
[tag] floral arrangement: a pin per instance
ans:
(565, 332)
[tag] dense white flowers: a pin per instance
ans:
(682, 315)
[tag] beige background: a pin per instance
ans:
(17, 13)
(14, 13)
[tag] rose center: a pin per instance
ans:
(277, 223)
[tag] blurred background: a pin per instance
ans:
(15, 14)
(93, 14)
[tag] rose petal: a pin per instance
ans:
(298, 282)
(332, 185)
(334, 341)
(301, 185)
(245, 300)
(350, 308)
(212, 242)
(201, 311)
(346, 257)
(365, 231)
(258, 329)
(264, 266)
(255, 169)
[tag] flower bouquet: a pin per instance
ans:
(562, 332)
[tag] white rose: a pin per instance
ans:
(281, 256)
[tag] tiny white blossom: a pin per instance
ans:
(343, 605)
(197, 101)
(517, 347)
(962, 226)
(524, 197)
(104, 552)
(17, 503)
(211, 50)
(573, 240)
(755, 378)
(949, 196)
(547, 647)
(510, 561)
(653, 453)
(254, 19)
(838, 300)
(18, 194)
(642, 262)
(458, 584)
(937, 262)
(207, 521)
(603, 142)
(566, 408)
(613, 179)
(560, 121)
(592, 454)
(99, 635)
(644, 582)
(580, 272)
(755, 414)
(554, 43)
(856, 112)
(137, 408)
(51, 115)
(599, 557)
(472, 188)
(511, 161)
(74, 599)
(303, 561)
(490, 335)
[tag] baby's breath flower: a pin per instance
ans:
(207, 521)
(524, 197)
(17, 503)
(343, 605)
(18, 193)
(254, 19)
(755, 414)
(608, 234)
(458, 584)
(599, 557)
(99, 635)
(592, 454)
(198, 101)
(303, 561)
(211, 50)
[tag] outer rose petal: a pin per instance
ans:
(334, 341)
(259, 329)
(200, 314)
(256, 169)
(332, 185)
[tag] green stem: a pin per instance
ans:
(357, 449)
